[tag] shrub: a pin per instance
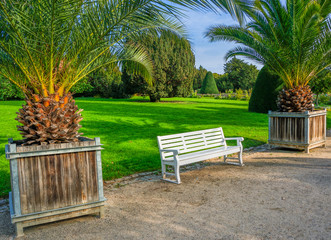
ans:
(9, 91)
(194, 94)
(247, 94)
(105, 83)
(229, 94)
(239, 94)
(265, 92)
(209, 85)
(82, 88)
(324, 99)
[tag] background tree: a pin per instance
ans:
(265, 92)
(294, 41)
(199, 76)
(321, 83)
(104, 82)
(9, 91)
(223, 83)
(240, 74)
(209, 85)
(173, 62)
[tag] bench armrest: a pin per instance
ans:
(174, 151)
(236, 138)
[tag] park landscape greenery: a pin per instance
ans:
(47, 55)
(128, 128)
(49, 46)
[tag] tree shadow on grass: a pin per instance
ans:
(198, 115)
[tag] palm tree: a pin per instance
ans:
(293, 40)
(47, 46)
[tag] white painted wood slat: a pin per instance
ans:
(189, 133)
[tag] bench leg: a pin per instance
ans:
(163, 166)
(239, 158)
(240, 155)
(177, 173)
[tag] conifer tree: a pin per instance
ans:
(173, 64)
(265, 92)
(209, 85)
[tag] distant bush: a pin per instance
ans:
(195, 94)
(265, 92)
(83, 87)
(325, 99)
(8, 90)
(229, 94)
(239, 94)
(209, 85)
(105, 83)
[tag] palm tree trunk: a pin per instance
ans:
(48, 120)
(298, 99)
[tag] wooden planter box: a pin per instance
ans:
(304, 131)
(54, 182)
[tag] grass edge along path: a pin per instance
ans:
(128, 128)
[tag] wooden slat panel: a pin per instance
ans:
(317, 128)
(189, 133)
(56, 181)
(291, 130)
(287, 129)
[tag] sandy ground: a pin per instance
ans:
(279, 194)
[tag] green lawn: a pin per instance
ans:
(128, 128)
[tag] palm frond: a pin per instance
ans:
(294, 40)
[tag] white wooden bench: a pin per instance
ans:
(186, 148)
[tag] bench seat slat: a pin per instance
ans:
(200, 147)
(189, 133)
(217, 151)
(202, 139)
(169, 143)
(195, 147)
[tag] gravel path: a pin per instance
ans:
(279, 194)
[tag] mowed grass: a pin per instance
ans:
(128, 128)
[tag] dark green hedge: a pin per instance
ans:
(265, 92)
(209, 85)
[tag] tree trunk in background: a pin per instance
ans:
(49, 120)
(298, 99)
(154, 98)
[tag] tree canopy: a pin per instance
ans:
(173, 62)
(240, 74)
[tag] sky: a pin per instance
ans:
(207, 54)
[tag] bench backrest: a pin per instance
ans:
(192, 141)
